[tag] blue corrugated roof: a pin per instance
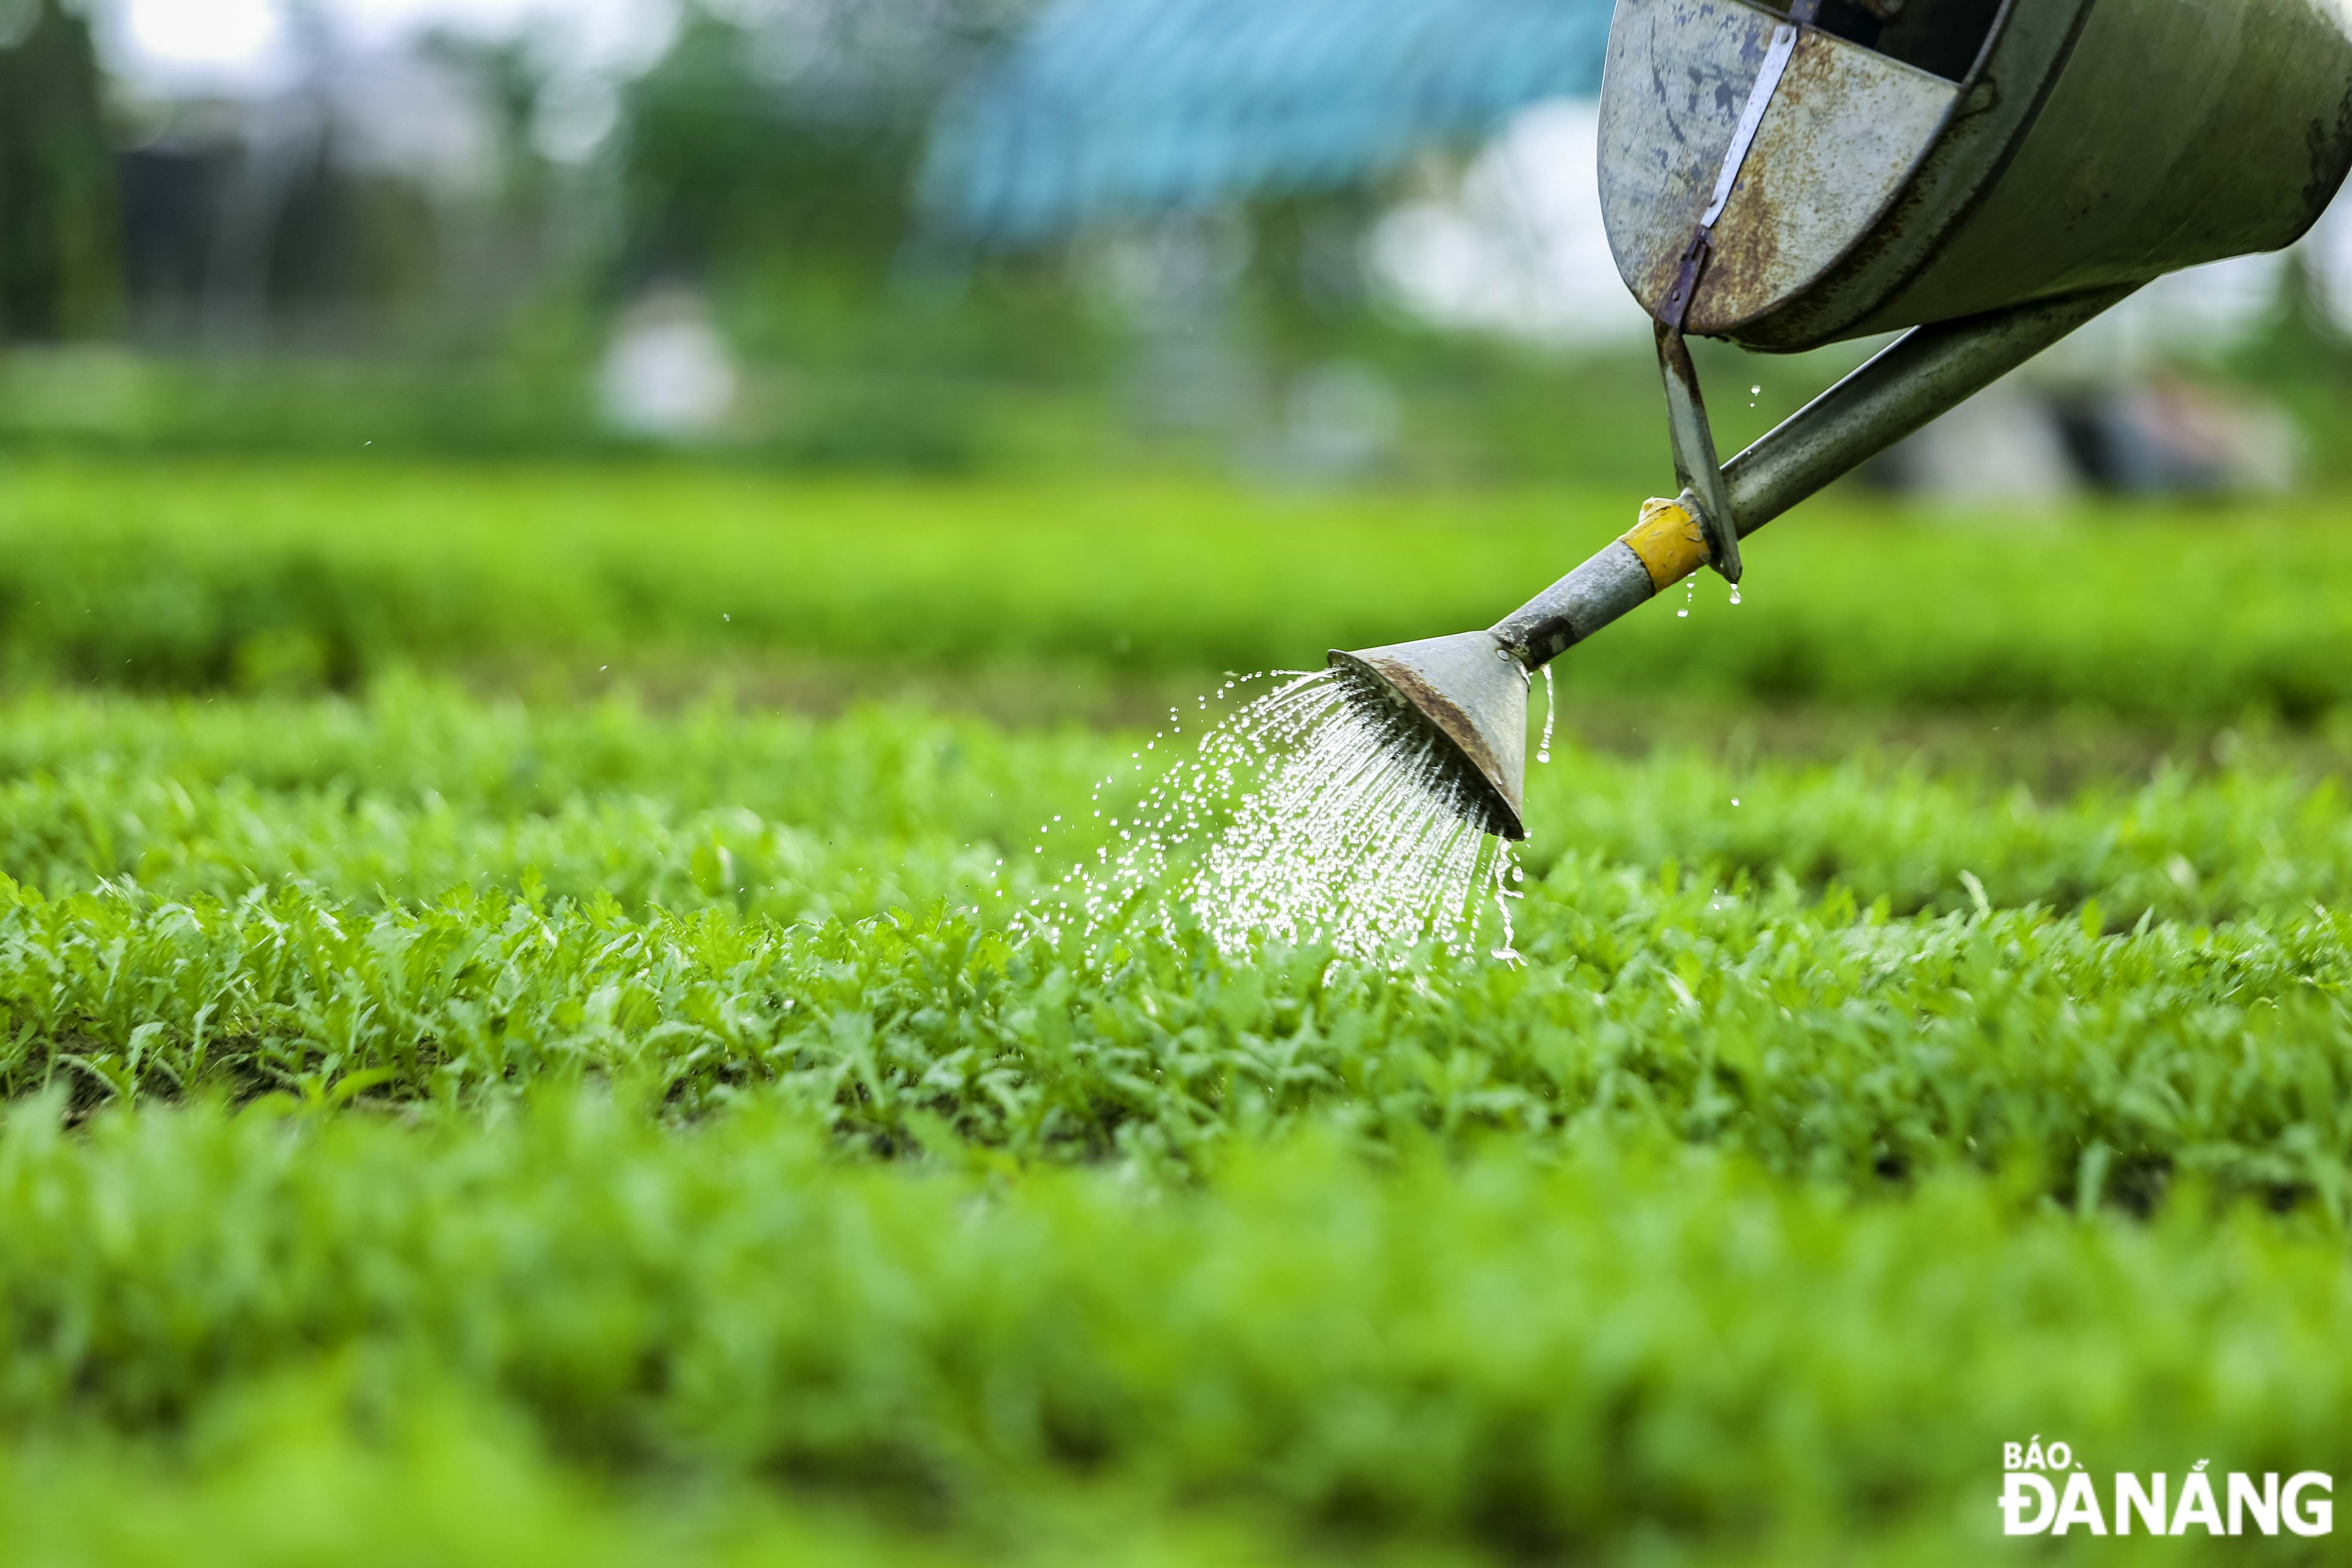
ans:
(1121, 108)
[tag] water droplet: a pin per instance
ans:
(1543, 751)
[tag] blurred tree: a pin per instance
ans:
(345, 243)
(789, 133)
(58, 220)
(2299, 337)
(2300, 356)
(1306, 272)
(510, 78)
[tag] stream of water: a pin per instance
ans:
(1316, 813)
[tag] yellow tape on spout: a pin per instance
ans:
(1670, 542)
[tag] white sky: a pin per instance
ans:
(243, 43)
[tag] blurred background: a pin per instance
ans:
(1316, 242)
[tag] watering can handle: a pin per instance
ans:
(1696, 466)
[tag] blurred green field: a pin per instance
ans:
(299, 577)
(621, 1122)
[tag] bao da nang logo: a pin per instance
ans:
(2046, 1492)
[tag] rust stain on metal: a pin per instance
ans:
(1663, 141)
(1746, 254)
(1844, 129)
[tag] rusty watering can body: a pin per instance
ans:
(1961, 156)
(1988, 174)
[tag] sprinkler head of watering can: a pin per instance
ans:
(1469, 694)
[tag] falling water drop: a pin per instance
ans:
(1543, 751)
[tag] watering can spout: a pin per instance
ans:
(1470, 692)
(1471, 689)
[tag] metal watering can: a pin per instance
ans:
(1990, 173)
